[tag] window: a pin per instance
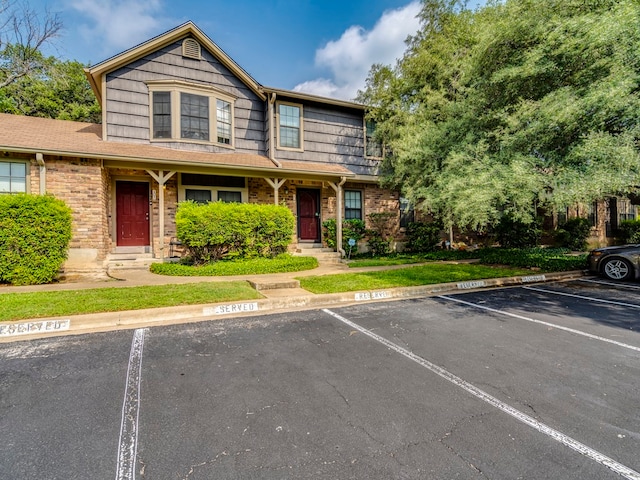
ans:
(194, 116)
(211, 188)
(185, 112)
(198, 196)
(371, 146)
(352, 204)
(161, 114)
(290, 126)
(224, 122)
(626, 211)
(592, 214)
(13, 177)
(229, 197)
(407, 213)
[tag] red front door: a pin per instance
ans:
(309, 215)
(132, 214)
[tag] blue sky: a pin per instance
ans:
(322, 47)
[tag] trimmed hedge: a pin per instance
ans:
(250, 266)
(35, 232)
(211, 231)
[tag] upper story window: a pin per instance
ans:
(183, 111)
(352, 204)
(290, 126)
(13, 177)
(372, 147)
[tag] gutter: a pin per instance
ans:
(272, 150)
(43, 173)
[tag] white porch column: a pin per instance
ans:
(339, 202)
(276, 183)
(162, 179)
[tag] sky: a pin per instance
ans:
(322, 47)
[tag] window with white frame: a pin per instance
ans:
(184, 111)
(352, 204)
(13, 177)
(290, 126)
(211, 188)
(372, 147)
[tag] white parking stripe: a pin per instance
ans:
(128, 443)
(541, 322)
(591, 299)
(602, 282)
(600, 458)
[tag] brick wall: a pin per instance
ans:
(81, 183)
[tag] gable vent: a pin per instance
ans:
(191, 49)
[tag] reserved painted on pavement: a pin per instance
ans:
(14, 329)
(233, 308)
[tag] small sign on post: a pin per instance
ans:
(352, 243)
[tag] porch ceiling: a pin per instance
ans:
(76, 139)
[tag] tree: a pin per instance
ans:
(512, 107)
(60, 91)
(33, 84)
(23, 33)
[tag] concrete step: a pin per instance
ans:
(273, 285)
(129, 261)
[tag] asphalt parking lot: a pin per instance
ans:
(534, 382)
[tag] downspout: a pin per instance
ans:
(272, 149)
(339, 193)
(43, 173)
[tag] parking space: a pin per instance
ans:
(527, 382)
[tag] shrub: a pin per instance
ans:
(629, 231)
(35, 232)
(512, 233)
(574, 234)
(377, 240)
(353, 228)
(211, 231)
(423, 237)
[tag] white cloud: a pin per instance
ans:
(351, 56)
(117, 25)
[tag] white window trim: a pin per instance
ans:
(27, 174)
(344, 213)
(279, 146)
(182, 195)
(364, 131)
(175, 88)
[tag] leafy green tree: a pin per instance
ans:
(60, 91)
(517, 106)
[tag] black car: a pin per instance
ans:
(616, 263)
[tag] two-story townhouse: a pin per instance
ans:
(182, 121)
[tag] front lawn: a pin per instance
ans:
(20, 306)
(405, 277)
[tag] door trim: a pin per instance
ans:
(317, 193)
(114, 211)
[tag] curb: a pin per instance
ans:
(129, 319)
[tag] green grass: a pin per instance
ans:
(252, 266)
(405, 277)
(19, 306)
